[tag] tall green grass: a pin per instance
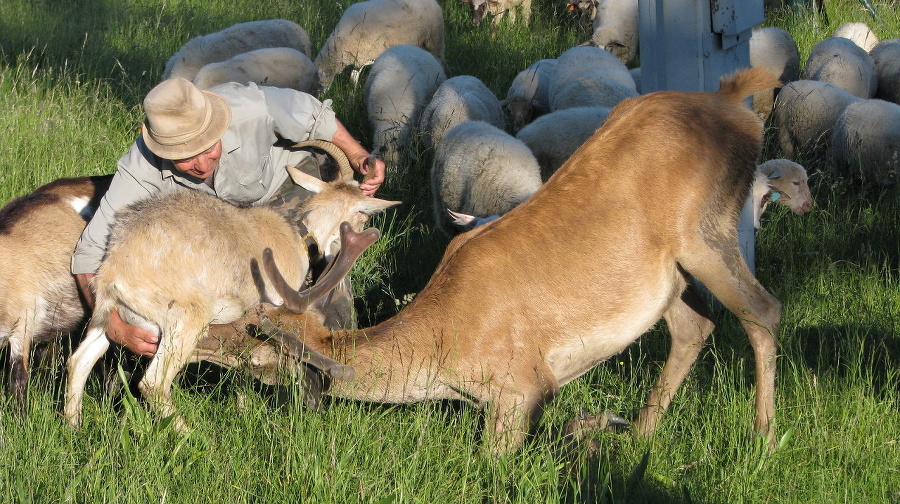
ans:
(72, 76)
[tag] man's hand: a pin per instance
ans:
(373, 171)
(359, 158)
(134, 338)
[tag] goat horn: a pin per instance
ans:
(334, 151)
(352, 245)
(298, 350)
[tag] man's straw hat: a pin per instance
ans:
(182, 120)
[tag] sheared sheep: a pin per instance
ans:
(865, 142)
(859, 33)
(458, 99)
(552, 138)
(272, 66)
(528, 95)
(784, 182)
(616, 28)
(481, 170)
(499, 10)
(236, 39)
(886, 56)
(588, 76)
(773, 49)
(398, 88)
(841, 62)
(367, 29)
(805, 113)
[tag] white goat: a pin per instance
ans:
(481, 170)
(841, 62)
(234, 40)
(367, 29)
(215, 279)
(485, 332)
(498, 10)
(398, 88)
(272, 66)
(528, 95)
(784, 182)
(37, 234)
(616, 28)
(458, 99)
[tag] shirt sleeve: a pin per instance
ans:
(136, 178)
(298, 116)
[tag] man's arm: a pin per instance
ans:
(358, 156)
(132, 337)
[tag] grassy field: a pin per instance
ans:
(72, 77)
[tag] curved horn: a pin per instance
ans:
(298, 350)
(334, 151)
(352, 245)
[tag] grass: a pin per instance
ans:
(72, 76)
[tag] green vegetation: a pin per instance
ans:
(72, 77)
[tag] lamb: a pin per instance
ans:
(841, 62)
(273, 66)
(805, 113)
(367, 29)
(859, 33)
(865, 142)
(554, 137)
(398, 88)
(502, 327)
(458, 99)
(499, 10)
(481, 170)
(528, 95)
(616, 28)
(139, 279)
(234, 40)
(886, 56)
(784, 182)
(773, 49)
(39, 303)
(588, 76)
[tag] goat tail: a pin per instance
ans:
(744, 82)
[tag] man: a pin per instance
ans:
(230, 142)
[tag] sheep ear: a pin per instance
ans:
(371, 206)
(775, 174)
(305, 180)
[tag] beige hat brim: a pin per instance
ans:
(220, 120)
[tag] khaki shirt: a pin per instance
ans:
(250, 170)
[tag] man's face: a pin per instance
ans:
(202, 165)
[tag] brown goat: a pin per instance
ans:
(38, 297)
(652, 197)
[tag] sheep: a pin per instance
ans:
(588, 76)
(499, 10)
(527, 96)
(234, 40)
(865, 142)
(886, 56)
(503, 327)
(859, 33)
(272, 66)
(584, 11)
(367, 29)
(481, 170)
(554, 137)
(398, 88)
(616, 28)
(841, 62)
(458, 99)
(773, 49)
(784, 182)
(805, 113)
(139, 279)
(38, 233)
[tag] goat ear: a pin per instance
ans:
(775, 174)
(305, 180)
(371, 206)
